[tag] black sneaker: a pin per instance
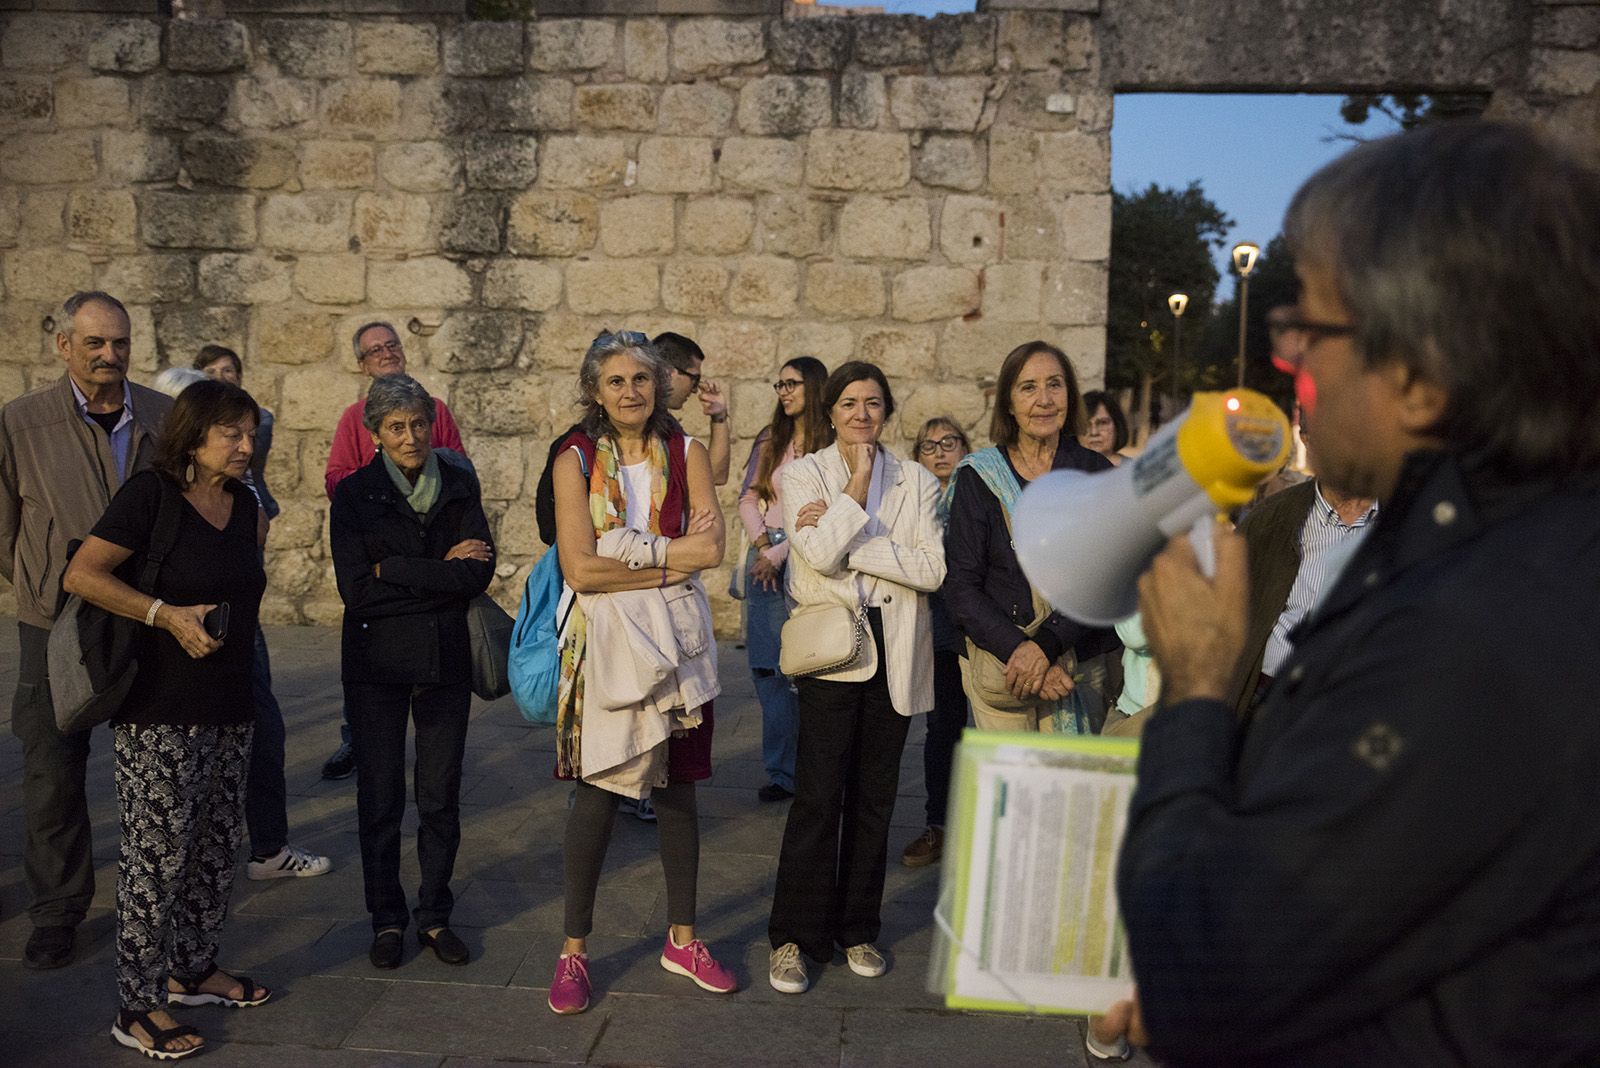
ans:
(342, 764)
(48, 947)
(773, 792)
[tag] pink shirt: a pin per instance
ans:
(756, 520)
(352, 447)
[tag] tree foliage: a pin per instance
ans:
(1408, 110)
(1162, 242)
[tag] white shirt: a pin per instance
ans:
(1326, 544)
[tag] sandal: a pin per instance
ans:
(122, 1034)
(193, 995)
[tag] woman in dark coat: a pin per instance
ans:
(411, 548)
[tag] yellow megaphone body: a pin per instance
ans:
(1083, 540)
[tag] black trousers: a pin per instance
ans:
(378, 715)
(58, 855)
(945, 724)
(836, 843)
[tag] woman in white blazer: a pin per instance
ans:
(862, 533)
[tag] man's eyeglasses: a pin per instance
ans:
(948, 443)
(1298, 336)
(786, 385)
(393, 347)
(694, 379)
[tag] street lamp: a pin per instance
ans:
(1244, 261)
(1177, 303)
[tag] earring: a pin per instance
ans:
(188, 474)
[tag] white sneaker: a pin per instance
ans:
(866, 960)
(786, 971)
(290, 862)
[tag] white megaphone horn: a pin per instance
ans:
(1084, 539)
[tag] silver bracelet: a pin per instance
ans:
(150, 616)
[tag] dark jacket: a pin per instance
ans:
(985, 590)
(1398, 863)
(410, 626)
(1272, 533)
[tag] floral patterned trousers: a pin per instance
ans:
(181, 794)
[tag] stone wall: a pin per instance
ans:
(921, 193)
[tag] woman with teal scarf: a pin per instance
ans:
(411, 548)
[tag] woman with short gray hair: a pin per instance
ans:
(411, 548)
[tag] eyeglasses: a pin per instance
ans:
(948, 443)
(787, 385)
(694, 379)
(1299, 335)
(627, 337)
(393, 347)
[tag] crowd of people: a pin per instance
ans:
(879, 587)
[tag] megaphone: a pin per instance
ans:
(1084, 539)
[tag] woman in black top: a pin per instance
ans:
(411, 548)
(183, 734)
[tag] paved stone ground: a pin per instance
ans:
(308, 938)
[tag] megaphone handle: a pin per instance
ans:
(1205, 551)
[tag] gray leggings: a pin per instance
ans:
(589, 834)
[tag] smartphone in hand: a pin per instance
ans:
(216, 621)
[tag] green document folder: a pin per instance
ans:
(1027, 915)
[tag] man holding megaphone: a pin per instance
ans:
(1397, 861)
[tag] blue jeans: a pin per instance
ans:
(765, 612)
(266, 800)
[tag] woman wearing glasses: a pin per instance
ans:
(940, 445)
(799, 425)
(1106, 431)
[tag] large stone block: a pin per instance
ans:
(969, 230)
(424, 282)
(307, 48)
(198, 220)
(148, 278)
(857, 160)
(125, 46)
(975, 348)
(10, 216)
(637, 226)
(46, 274)
(527, 105)
(183, 101)
(532, 285)
(1012, 292)
(243, 278)
(1075, 294)
(134, 156)
(26, 103)
(206, 46)
(42, 218)
(473, 223)
(1564, 73)
(844, 290)
(962, 44)
(419, 166)
(891, 40)
(693, 287)
(644, 49)
(295, 528)
(717, 225)
(337, 165)
(707, 45)
(696, 110)
(244, 163)
(951, 162)
(501, 402)
(793, 224)
(583, 162)
(366, 106)
(1038, 40)
(1013, 160)
(785, 106)
(1086, 226)
(273, 103)
(181, 330)
(306, 222)
(810, 44)
(476, 341)
(394, 221)
(902, 352)
(1074, 163)
(315, 397)
(48, 159)
(552, 224)
(616, 107)
(601, 286)
(675, 164)
(1031, 231)
(91, 102)
(481, 48)
(500, 464)
(832, 343)
(960, 401)
(41, 42)
(762, 163)
(293, 334)
(101, 218)
(397, 48)
(570, 44)
(332, 279)
(766, 287)
(501, 161)
(942, 103)
(743, 348)
(1567, 27)
(863, 99)
(922, 294)
(885, 228)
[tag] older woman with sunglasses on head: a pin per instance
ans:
(799, 425)
(636, 522)
(864, 537)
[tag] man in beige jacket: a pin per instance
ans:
(65, 448)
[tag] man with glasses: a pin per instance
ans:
(686, 360)
(378, 352)
(1396, 860)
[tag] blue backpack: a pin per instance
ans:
(534, 663)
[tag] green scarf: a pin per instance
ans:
(421, 496)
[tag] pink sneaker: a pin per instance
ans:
(694, 960)
(569, 990)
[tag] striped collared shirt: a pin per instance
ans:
(1325, 541)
